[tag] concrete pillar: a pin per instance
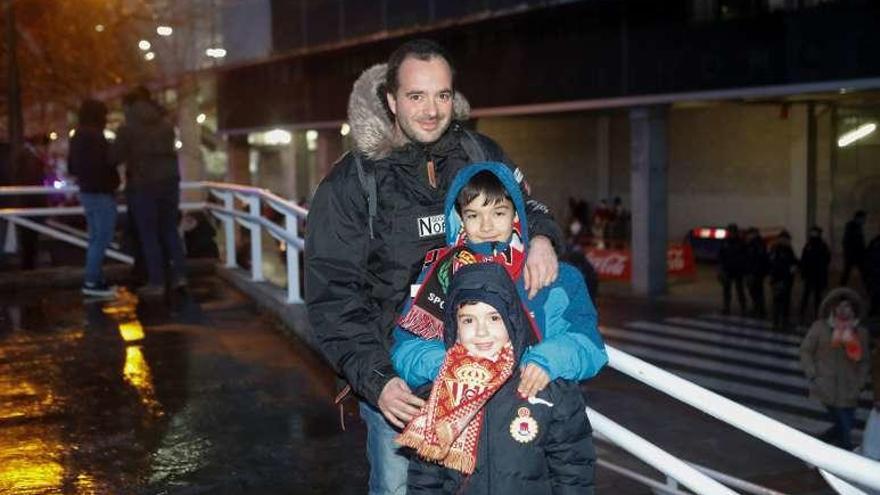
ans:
(799, 177)
(238, 153)
(603, 157)
(648, 162)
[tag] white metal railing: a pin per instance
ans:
(243, 205)
(832, 462)
(228, 210)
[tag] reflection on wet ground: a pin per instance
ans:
(196, 394)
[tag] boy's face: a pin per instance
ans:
(485, 223)
(481, 330)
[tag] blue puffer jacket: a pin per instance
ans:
(571, 347)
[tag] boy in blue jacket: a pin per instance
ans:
(485, 222)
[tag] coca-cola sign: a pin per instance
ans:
(609, 263)
(616, 264)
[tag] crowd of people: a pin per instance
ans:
(746, 265)
(606, 227)
(836, 354)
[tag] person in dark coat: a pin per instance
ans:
(815, 258)
(783, 264)
(89, 161)
(732, 260)
(495, 441)
(146, 145)
(854, 246)
(757, 265)
(871, 271)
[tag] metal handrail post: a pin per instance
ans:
(229, 228)
(293, 289)
(256, 240)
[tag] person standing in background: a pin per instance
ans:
(757, 265)
(783, 264)
(854, 247)
(732, 260)
(815, 258)
(146, 144)
(89, 161)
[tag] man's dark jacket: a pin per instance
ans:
(558, 458)
(146, 144)
(815, 259)
(355, 285)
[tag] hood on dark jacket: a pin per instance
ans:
(372, 127)
(454, 226)
(491, 284)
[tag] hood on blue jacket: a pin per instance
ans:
(505, 175)
(491, 284)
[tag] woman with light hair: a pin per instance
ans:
(835, 358)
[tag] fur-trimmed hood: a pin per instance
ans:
(839, 294)
(371, 126)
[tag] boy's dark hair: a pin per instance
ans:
(420, 49)
(486, 183)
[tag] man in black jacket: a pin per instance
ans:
(732, 269)
(815, 258)
(406, 122)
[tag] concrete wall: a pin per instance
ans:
(559, 154)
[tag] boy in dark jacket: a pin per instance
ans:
(477, 434)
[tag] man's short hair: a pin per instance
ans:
(420, 49)
(486, 183)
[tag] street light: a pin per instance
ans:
(201, 118)
(216, 52)
(144, 45)
(149, 56)
(99, 28)
(164, 30)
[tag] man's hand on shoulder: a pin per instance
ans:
(542, 265)
(398, 404)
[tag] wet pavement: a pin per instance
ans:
(201, 394)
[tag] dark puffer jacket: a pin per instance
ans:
(513, 456)
(356, 285)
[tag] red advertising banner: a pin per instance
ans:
(616, 264)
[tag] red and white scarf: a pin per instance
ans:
(844, 334)
(447, 430)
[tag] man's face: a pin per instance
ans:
(423, 102)
(488, 222)
(481, 330)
